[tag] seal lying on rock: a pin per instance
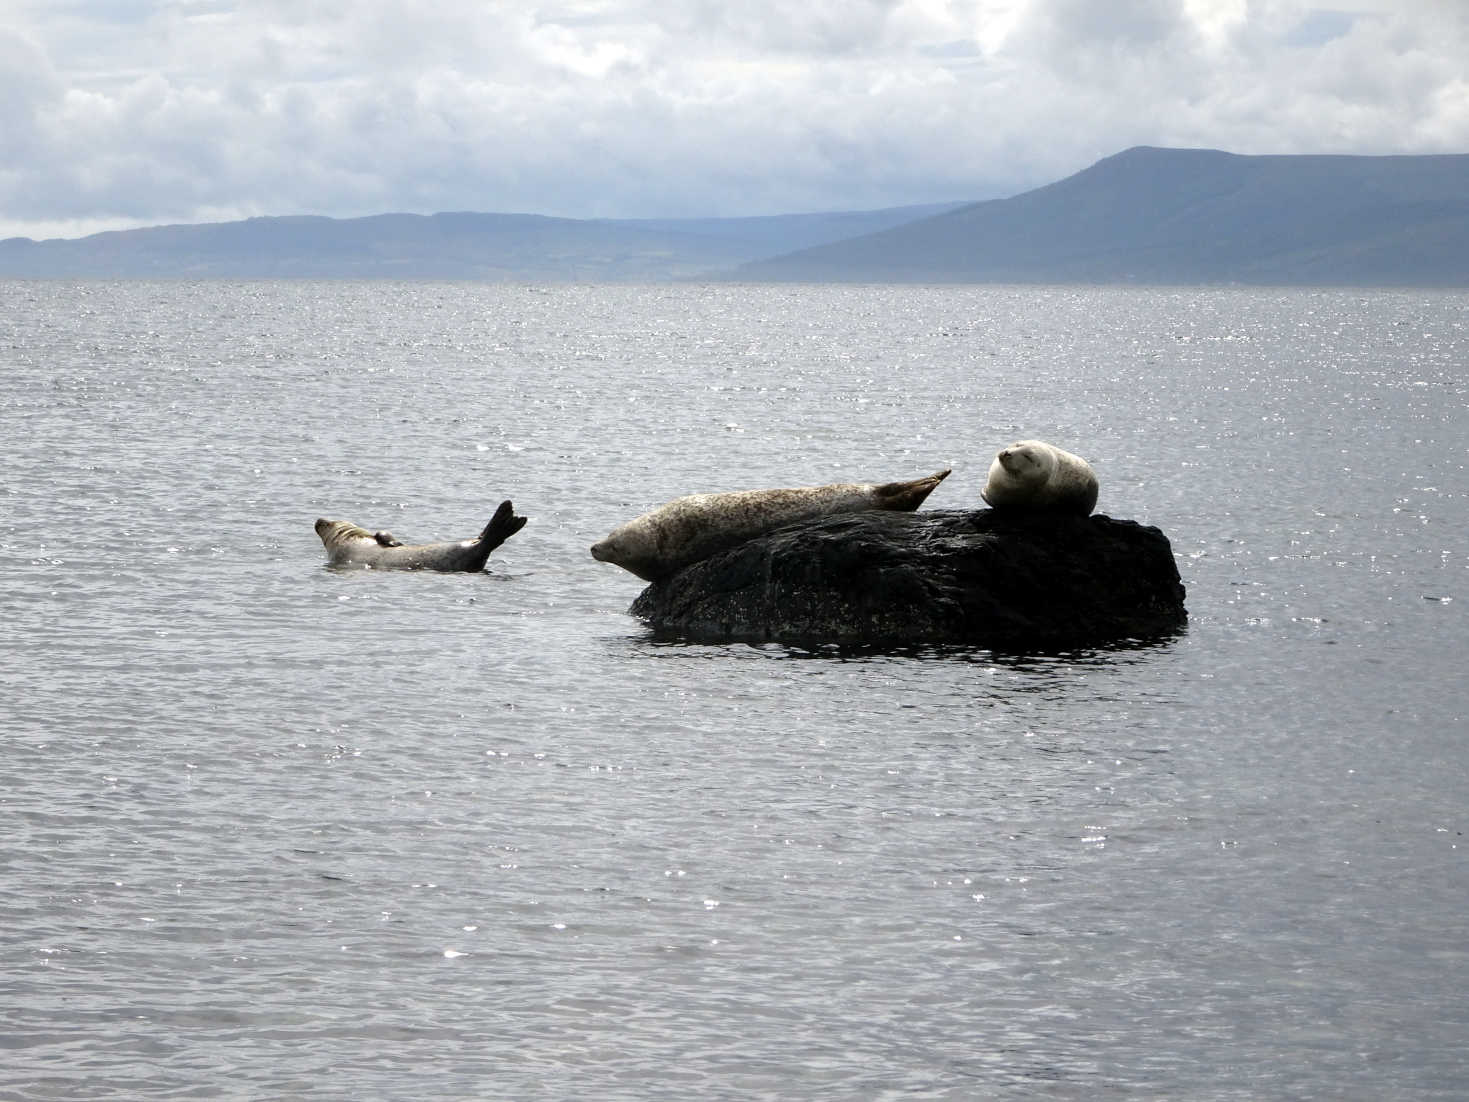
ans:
(1035, 475)
(348, 545)
(691, 528)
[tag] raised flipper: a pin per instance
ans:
(502, 526)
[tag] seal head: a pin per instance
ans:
(1032, 474)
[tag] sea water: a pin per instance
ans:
(273, 830)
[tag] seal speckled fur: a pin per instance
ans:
(688, 529)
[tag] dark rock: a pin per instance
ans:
(988, 577)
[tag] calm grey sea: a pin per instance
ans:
(274, 831)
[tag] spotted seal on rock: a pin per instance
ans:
(687, 529)
(348, 545)
(1032, 474)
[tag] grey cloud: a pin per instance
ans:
(1320, 27)
(30, 84)
(816, 26)
(623, 109)
(1071, 26)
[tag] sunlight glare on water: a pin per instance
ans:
(284, 831)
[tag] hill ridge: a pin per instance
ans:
(1170, 216)
(1146, 214)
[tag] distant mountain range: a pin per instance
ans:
(1183, 216)
(522, 247)
(1146, 215)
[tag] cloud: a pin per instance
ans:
(186, 110)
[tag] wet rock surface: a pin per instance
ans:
(987, 577)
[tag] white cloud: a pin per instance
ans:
(182, 110)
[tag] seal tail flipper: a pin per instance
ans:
(907, 496)
(502, 526)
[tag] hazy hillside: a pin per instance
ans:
(1183, 216)
(1146, 215)
(441, 246)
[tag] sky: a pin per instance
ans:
(122, 113)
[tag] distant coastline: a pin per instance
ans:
(1145, 215)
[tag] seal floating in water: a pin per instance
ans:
(688, 529)
(1032, 474)
(348, 545)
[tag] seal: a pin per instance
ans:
(687, 529)
(348, 545)
(1032, 474)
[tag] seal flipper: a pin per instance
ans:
(387, 539)
(908, 496)
(502, 526)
